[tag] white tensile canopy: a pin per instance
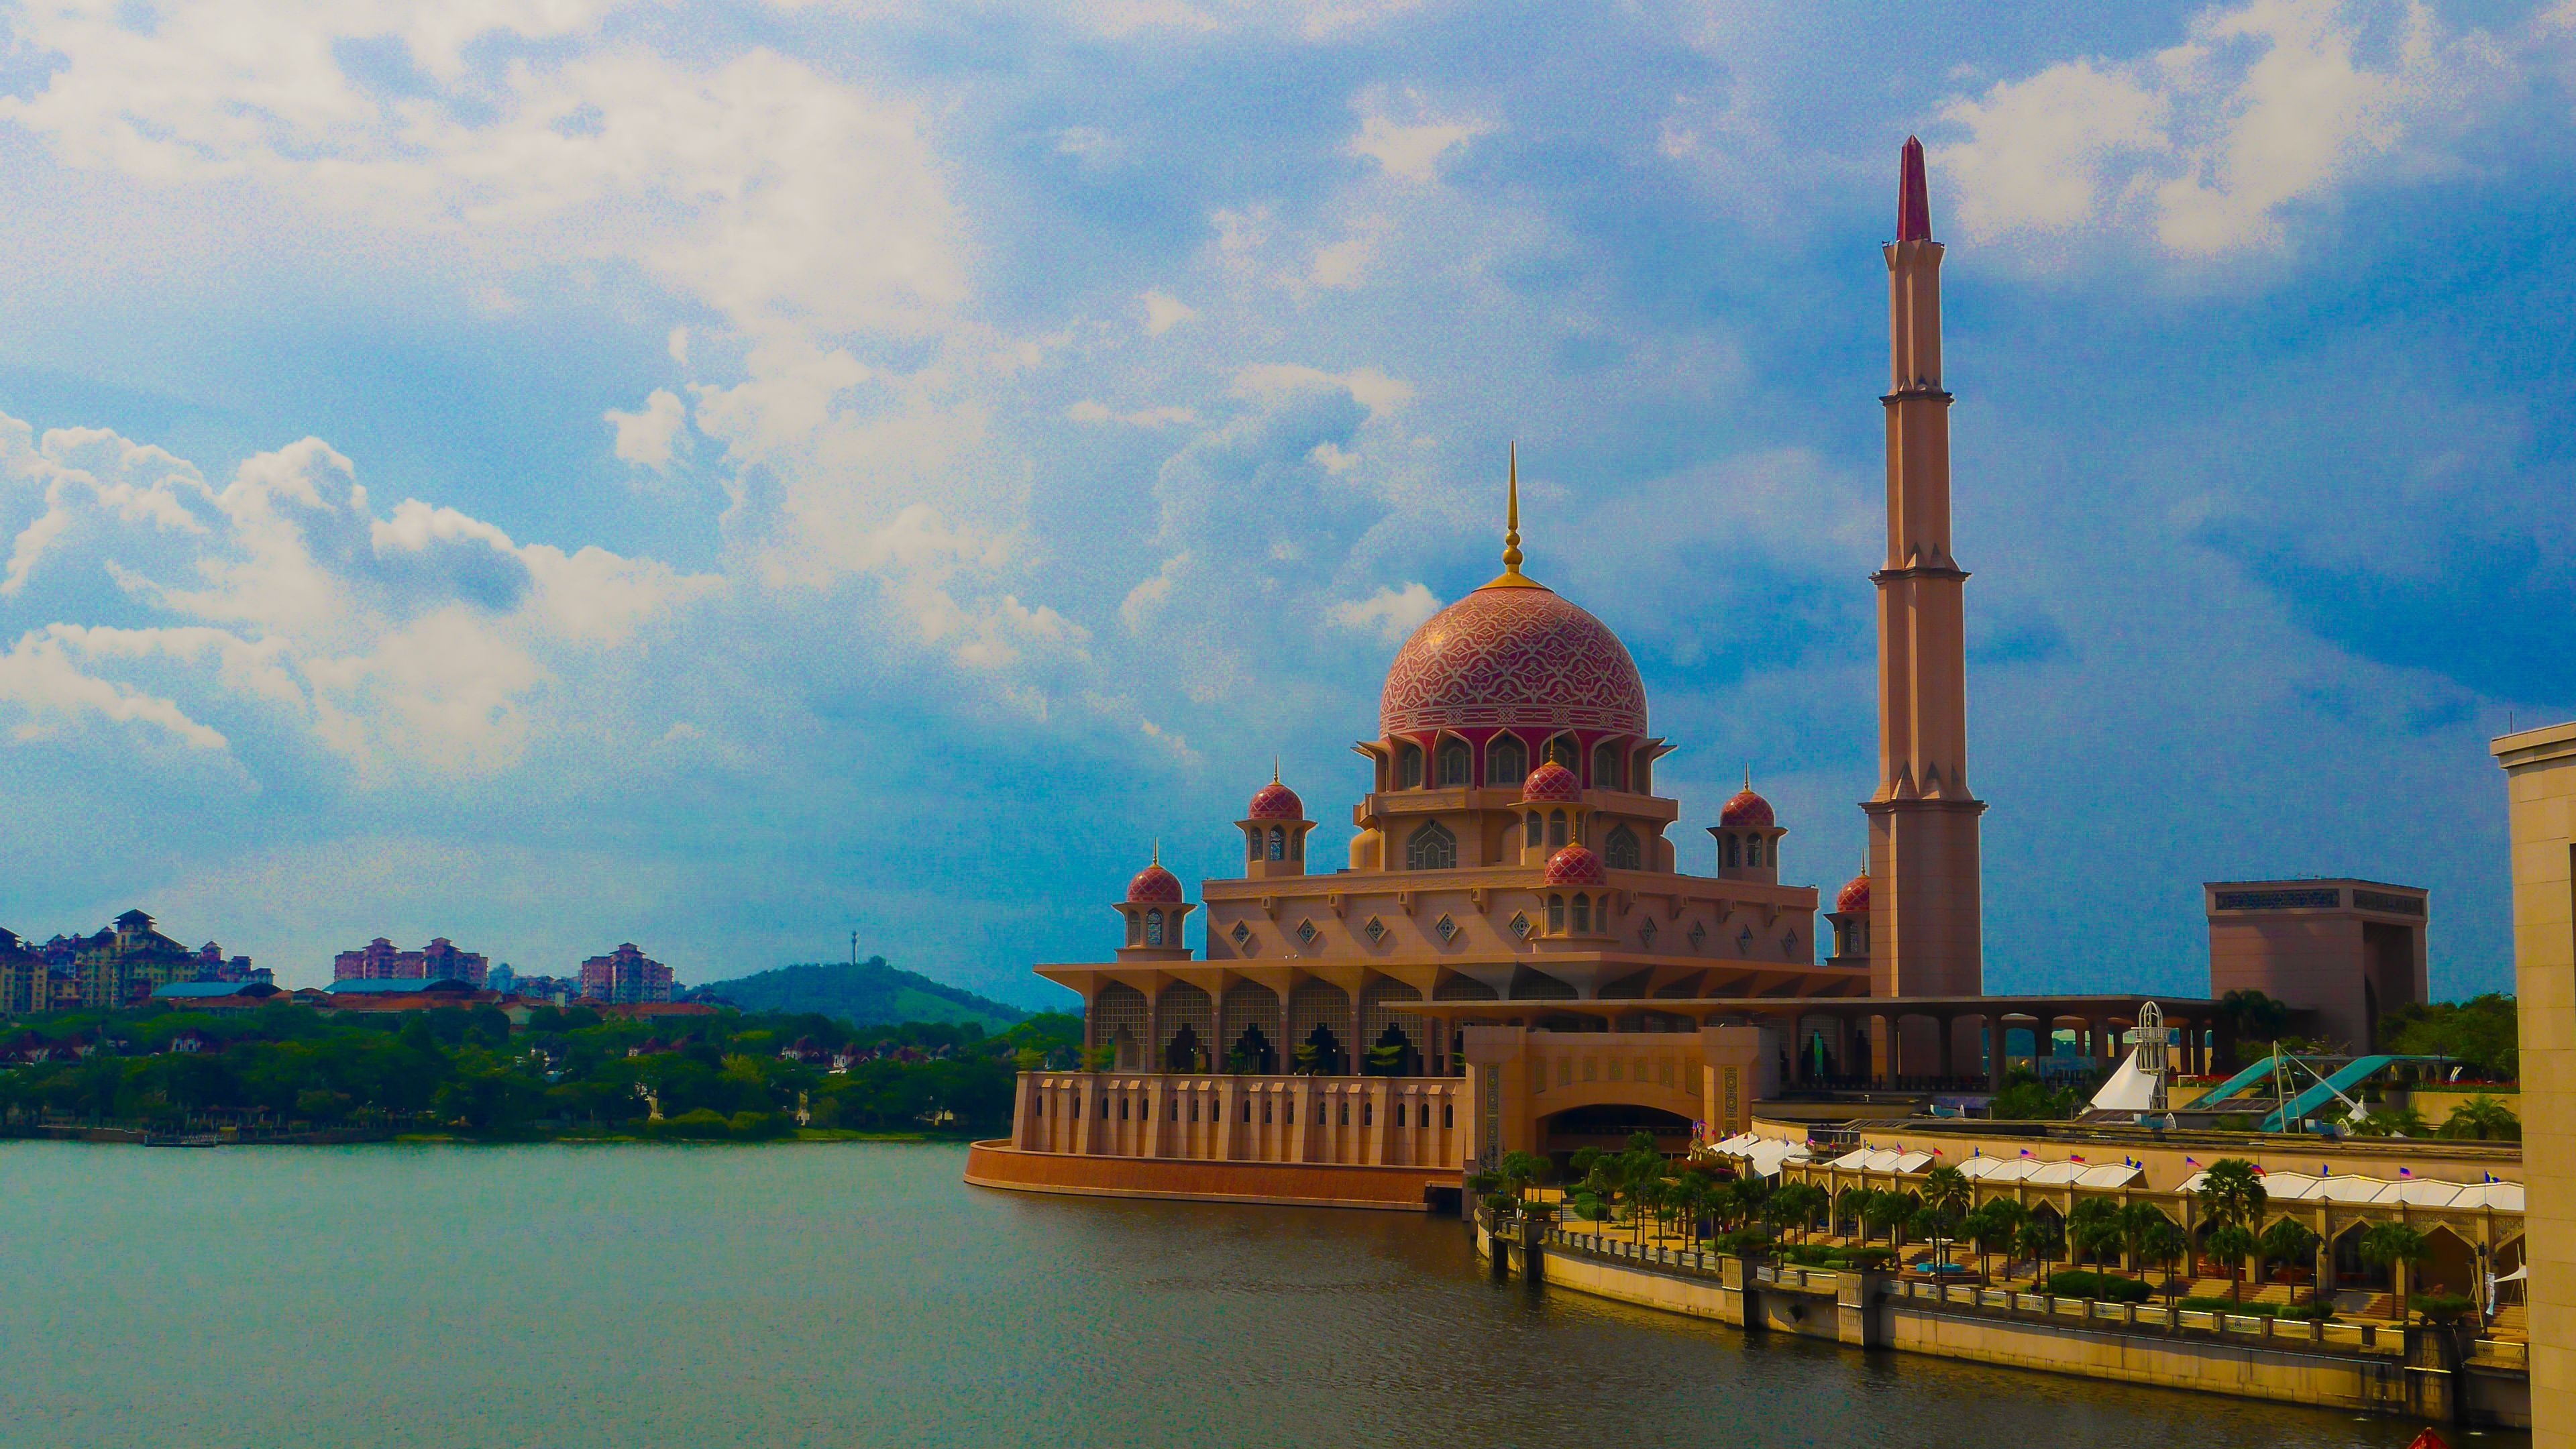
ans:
(2129, 1090)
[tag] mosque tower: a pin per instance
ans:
(1924, 937)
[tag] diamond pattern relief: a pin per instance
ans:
(1375, 930)
(1698, 933)
(1515, 658)
(1646, 933)
(1447, 928)
(1242, 934)
(1520, 925)
(1307, 932)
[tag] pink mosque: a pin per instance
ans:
(1513, 957)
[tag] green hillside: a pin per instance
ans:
(870, 993)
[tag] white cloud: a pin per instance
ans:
(1089, 411)
(1374, 390)
(417, 640)
(645, 436)
(2204, 145)
(1410, 151)
(1164, 312)
(1393, 614)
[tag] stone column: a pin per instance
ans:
(1998, 1028)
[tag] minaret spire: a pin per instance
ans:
(1913, 196)
(1926, 937)
(1511, 576)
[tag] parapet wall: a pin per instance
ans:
(998, 1164)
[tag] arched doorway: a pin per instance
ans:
(1320, 1054)
(1608, 1126)
(1393, 1054)
(1184, 1054)
(1252, 1054)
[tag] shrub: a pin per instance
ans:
(1498, 1203)
(2440, 1306)
(2111, 1288)
(2230, 1305)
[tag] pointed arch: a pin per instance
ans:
(1621, 851)
(1506, 760)
(1431, 847)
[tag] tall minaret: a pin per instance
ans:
(1924, 937)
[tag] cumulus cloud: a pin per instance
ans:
(1410, 150)
(645, 436)
(1164, 312)
(2206, 144)
(1392, 614)
(415, 639)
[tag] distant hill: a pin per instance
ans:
(870, 993)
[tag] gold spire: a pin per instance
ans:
(1274, 769)
(1511, 576)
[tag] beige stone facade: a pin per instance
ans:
(2540, 791)
(2343, 952)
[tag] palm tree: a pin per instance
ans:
(2038, 1236)
(2483, 1117)
(1884, 1211)
(2288, 1240)
(2137, 1221)
(2163, 1241)
(2232, 1245)
(1935, 1226)
(1694, 1191)
(2231, 1192)
(1947, 1191)
(1849, 1205)
(1522, 1171)
(1992, 1227)
(2396, 1247)
(2093, 1226)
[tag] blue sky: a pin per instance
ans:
(725, 477)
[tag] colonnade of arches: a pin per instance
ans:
(1318, 1029)
(1504, 760)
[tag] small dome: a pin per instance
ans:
(1552, 781)
(1275, 801)
(1854, 900)
(1747, 811)
(1576, 866)
(1155, 885)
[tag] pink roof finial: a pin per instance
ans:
(1913, 198)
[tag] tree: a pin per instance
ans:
(1886, 1211)
(2093, 1228)
(2139, 1221)
(2388, 1121)
(1849, 1206)
(1992, 1226)
(2483, 1031)
(2163, 1242)
(2039, 1239)
(2232, 1245)
(2484, 1118)
(2396, 1247)
(1522, 1171)
(1935, 1226)
(2288, 1240)
(2231, 1193)
(2257, 1019)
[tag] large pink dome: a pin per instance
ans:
(1514, 657)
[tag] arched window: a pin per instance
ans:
(1278, 843)
(1408, 768)
(1506, 761)
(1610, 767)
(1153, 928)
(1556, 913)
(1252, 843)
(1561, 749)
(1583, 913)
(1534, 830)
(1456, 765)
(1556, 827)
(1431, 848)
(1621, 851)
(1733, 851)
(1753, 850)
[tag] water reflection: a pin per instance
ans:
(861, 1295)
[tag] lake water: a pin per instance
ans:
(860, 1295)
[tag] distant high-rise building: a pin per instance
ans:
(502, 979)
(625, 974)
(381, 960)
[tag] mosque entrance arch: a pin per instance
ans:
(1610, 1125)
(1252, 1054)
(1184, 1052)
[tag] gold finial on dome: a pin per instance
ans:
(1511, 576)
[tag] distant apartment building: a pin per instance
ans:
(381, 960)
(212, 965)
(120, 965)
(625, 974)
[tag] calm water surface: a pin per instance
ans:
(860, 1295)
